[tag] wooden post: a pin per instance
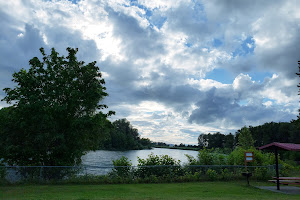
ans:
(277, 171)
(245, 163)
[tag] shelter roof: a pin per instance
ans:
(284, 146)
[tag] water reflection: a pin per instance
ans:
(104, 158)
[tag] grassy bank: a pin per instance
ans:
(203, 190)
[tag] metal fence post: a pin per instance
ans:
(41, 171)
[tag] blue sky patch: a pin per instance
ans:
(221, 75)
(153, 20)
(259, 76)
(247, 47)
(188, 44)
(243, 102)
(199, 12)
(158, 22)
(74, 1)
(217, 42)
(267, 99)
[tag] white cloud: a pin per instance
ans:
(155, 56)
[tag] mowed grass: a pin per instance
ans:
(201, 190)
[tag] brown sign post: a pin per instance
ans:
(249, 157)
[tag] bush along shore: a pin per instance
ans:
(207, 166)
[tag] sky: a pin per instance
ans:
(174, 68)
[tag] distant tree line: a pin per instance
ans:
(162, 144)
(217, 140)
(121, 135)
(286, 132)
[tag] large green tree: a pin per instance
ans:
(245, 138)
(55, 116)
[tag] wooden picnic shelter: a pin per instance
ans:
(275, 146)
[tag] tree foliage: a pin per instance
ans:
(54, 116)
(245, 138)
(286, 132)
(123, 136)
(216, 140)
(164, 166)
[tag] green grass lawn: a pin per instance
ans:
(201, 190)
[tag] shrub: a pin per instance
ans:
(212, 174)
(46, 173)
(191, 160)
(163, 165)
(236, 157)
(286, 169)
(2, 171)
(263, 173)
(122, 167)
(205, 157)
(226, 175)
(219, 159)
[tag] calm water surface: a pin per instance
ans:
(104, 158)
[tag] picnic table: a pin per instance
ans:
(286, 180)
(282, 146)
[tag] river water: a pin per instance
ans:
(103, 158)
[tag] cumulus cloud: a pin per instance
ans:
(17, 48)
(156, 57)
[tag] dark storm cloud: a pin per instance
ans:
(190, 19)
(137, 42)
(16, 51)
(212, 107)
(165, 66)
(124, 86)
(284, 59)
(180, 96)
(215, 106)
(60, 38)
(18, 47)
(247, 9)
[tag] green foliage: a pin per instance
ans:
(212, 174)
(163, 165)
(219, 159)
(145, 142)
(122, 166)
(286, 169)
(54, 118)
(227, 175)
(205, 157)
(260, 159)
(2, 171)
(284, 132)
(123, 136)
(216, 141)
(276, 132)
(191, 160)
(263, 173)
(245, 138)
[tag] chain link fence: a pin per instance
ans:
(16, 174)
